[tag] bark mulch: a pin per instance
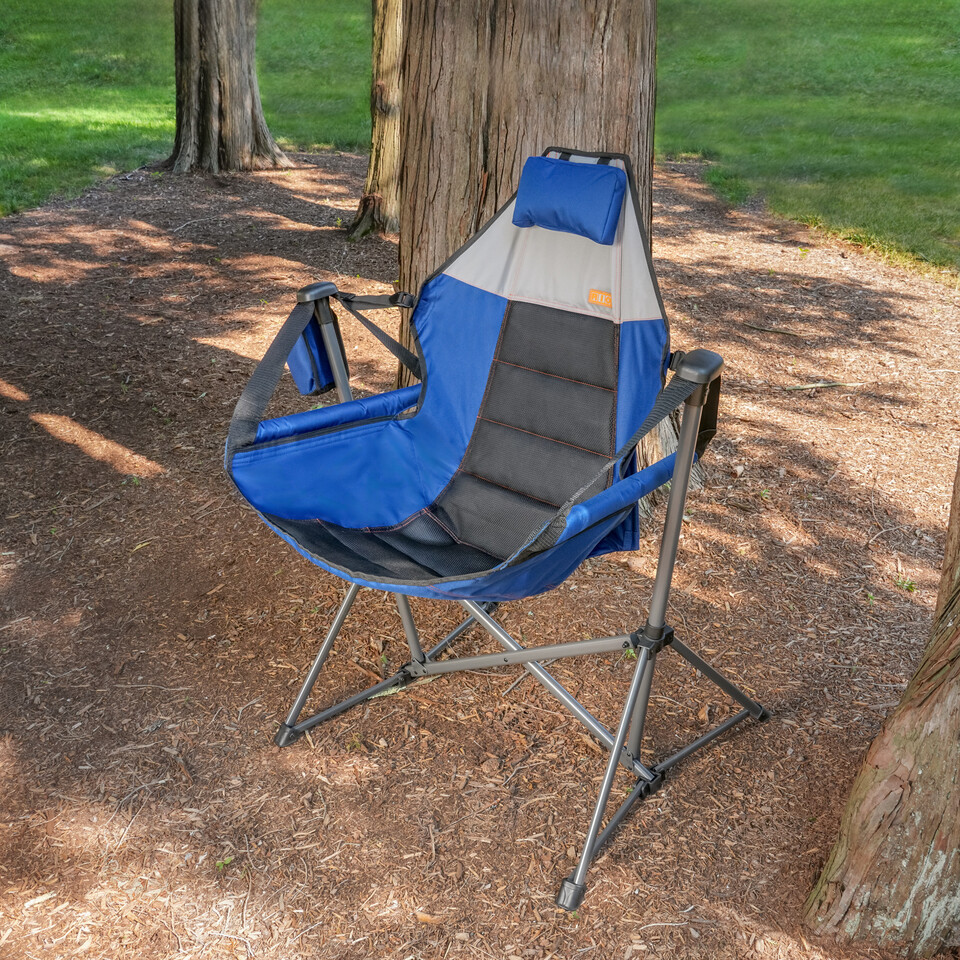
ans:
(152, 630)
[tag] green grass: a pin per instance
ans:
(840, 113)
(313, 61)
(86, 87)
(84, 92)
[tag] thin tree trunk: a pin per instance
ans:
(379, 210)
(220, 124)
(894, 875)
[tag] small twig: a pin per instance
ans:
(135, 791)
(230, 936)
(822, 383)
(200, 220)
(244, 707)
(880, 533)
(467, 816)
(123, 836)
(786, 333)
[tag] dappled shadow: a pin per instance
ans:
(152, 631)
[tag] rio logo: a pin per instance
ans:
(601, 298)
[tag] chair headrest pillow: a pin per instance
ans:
(581, 198)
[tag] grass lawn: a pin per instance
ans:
(86, 87)
(840, 113)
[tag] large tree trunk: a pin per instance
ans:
(894, 875)
(379, 210)
(489, 83)
(220, 125)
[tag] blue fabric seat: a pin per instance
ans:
(528, 394)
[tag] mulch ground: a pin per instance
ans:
(153, 631)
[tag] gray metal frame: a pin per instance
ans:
(626, 741)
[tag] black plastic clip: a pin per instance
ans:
(653, 645)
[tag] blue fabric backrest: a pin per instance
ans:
(581, 198)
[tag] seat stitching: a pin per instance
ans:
(509, 426)
(556, 376)
(503, 486)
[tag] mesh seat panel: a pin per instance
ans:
(546, 425)
(418, 550)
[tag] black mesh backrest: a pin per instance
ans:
(546, 425)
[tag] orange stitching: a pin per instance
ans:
(503, 486)
(556, 376)
(596, 453)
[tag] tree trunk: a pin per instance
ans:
(220, 125)
(512, 80)
(894, 875)
(379, 210)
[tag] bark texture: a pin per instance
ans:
(894, 875)
(220, 124)
(379, 210)
(489, 83)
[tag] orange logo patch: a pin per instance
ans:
(601, 298)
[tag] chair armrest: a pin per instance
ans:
(697, 366)
(316, 291)
(353, 411)
(618, 497)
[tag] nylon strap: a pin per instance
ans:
(669, 398)
(258, 391)
(353, 305)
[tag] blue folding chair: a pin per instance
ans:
(542, 351)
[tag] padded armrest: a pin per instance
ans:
(382, 405)
(617, 497)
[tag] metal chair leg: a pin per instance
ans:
(286, 734)
(573, 888)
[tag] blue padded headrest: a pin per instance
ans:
(581, 198)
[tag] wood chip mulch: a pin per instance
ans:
(153, 631)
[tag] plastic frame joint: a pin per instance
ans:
(652, 645)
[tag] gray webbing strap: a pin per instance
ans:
(255, 397)
(257, 393)
(669, 398)
(353, 305)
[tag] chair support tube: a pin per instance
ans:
(322, 655)
(686, 451)
(557, 689)
(409, 628)
(635, 740)
(328, 330)
(549, 651)
(572, 889)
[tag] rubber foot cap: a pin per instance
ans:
(286, 735)
(571, 895)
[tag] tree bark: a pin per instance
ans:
(488, 83)
(894, 875)
(220, 125)
(379, 210)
